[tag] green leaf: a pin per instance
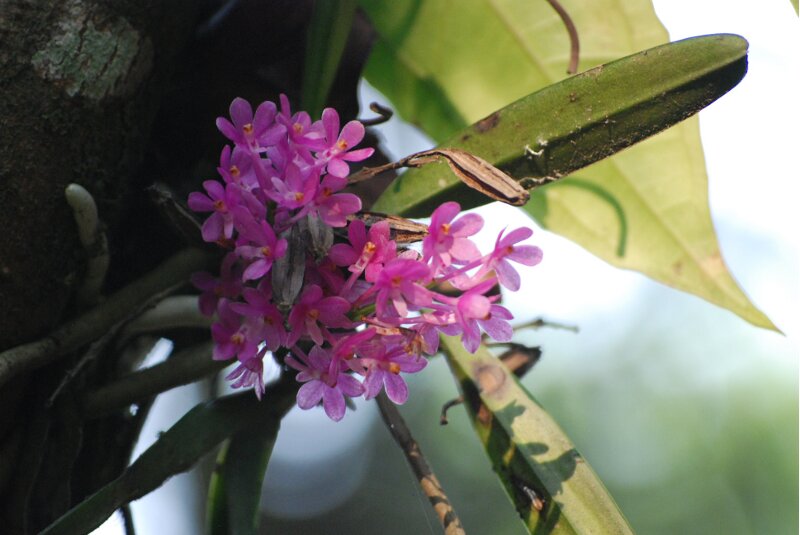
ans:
(796, 6)
(583, 119)
(551, 485)
(645, 208)
(177, 450)
(235, 488)
(327, 36)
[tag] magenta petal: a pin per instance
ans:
(358, 155)
(396, 388)
(318, 358)
(273, 135)
(303, 377)
(501, 312)
(507, 275)
(335, 213)
(471, 337)
(463, 249)
(467, 225)
(342, 254)
(357, 234)
(333, 402)
(411, 363)
(450, 330)
(256, 270)
(330, 120)
(516, 235)
(212, 228)
(373, 383)
(241, 112)
(400, 306)
(338, 168)
(528, 255)
(313, 330)
(200, 202)
(265, 113)
(419, 295)
(474, 305)
(227, 129)
(348, 203)
(310, 393)
(349, 385)
(498, 329)
(445, 213)
(215, 189)
(352, 133)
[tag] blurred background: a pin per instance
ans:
(688, 414)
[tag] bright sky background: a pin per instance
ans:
(751, 146)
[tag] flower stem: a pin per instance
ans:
(428, 481)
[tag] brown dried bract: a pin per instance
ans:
(403, 230)
(476, 173)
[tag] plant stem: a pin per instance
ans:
(183, 368)
(428, 481)
(93, 324)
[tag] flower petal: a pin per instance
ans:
(333, 402)
(396, 388)
(310, 393)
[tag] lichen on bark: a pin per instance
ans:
(91, 60)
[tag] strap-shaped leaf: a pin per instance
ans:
(551, 485)
(235, 489)
(177, 450)
(583, 119)
(646, 211)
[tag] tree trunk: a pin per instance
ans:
(81, 83)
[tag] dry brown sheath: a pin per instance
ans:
(476, 173)
(403, 230)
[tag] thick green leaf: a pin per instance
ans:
(644, 209)
(573, 123)
(553, 488)
(796, 6)
(235, 488)
(177, 450)
(327, 36)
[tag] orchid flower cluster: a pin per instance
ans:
(352, 316)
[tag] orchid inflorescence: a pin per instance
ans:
(362, 307)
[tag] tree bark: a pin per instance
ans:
(81, 82)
